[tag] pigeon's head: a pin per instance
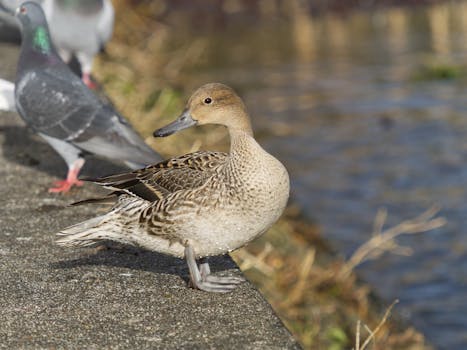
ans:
(211, 104)
(34, 25)
(30, 14)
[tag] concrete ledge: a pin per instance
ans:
(51, 297)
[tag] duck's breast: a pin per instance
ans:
(241, 208)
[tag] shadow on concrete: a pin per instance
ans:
(118, 255)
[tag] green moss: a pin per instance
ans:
(337, 338)
(438, 71)
(128, 88)
(167, 99)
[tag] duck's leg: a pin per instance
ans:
(205, 272)
(202, 279)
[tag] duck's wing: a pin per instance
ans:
(185, 172)
(157, 181)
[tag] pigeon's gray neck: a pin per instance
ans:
(37, 48)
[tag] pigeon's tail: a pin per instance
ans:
(110, 136)
(90, 232)
(136, 166)
(142, 156)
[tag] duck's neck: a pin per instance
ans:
(243, 147)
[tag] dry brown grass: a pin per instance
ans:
(318, 295)
(371, 332)
(383, 241)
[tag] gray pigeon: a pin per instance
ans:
(78, 28)
(59, 107)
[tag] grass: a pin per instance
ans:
(438, 70)
(317, 294)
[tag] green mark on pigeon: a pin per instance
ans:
(41, 40)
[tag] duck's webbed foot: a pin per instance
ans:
(202, 279)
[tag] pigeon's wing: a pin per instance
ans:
(7, 96)
(111, 136)
(54, 102)
(57, 104)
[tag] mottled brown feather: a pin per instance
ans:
(156, 181)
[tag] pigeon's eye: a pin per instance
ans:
(207, 100)
(22, 9)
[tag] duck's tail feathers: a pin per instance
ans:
(86, 233)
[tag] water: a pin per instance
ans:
(335, 98)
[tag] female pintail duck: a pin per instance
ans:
(197, 205)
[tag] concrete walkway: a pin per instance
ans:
(51, 297)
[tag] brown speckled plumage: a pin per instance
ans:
(211, 202)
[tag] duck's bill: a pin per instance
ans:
(184, 121)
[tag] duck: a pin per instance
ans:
(196, 205)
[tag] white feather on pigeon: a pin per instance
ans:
(7, 96)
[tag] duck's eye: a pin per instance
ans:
(22, 9)
(207, 100)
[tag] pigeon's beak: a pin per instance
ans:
(184, 121)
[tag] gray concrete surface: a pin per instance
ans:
(51, 297)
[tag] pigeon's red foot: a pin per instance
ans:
(88, 81)
(63, 186)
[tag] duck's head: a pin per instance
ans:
(211, 104)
